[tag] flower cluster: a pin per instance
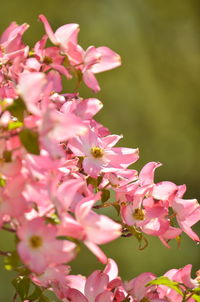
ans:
(58, 166)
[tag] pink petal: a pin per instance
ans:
(146, 175)
(67, 33)
(106, 296)
(96, 283)
(87, 108)
(31, 86)
(108, 60)
(73, 295)
(111, 269)
(96, 251)
(48, 29)
(91, 81)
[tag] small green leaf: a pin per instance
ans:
(196, 298)
(2, 182)
(117, 208)
(21, 285)
(53, 219)
(105, 195)
(99, 180)
(17, 109)
(44, 299)
(14, 125)
(196, 290)
(92, 181)
(167, 282)
(30, 141)
(35, 294)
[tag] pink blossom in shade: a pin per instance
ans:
(182, 275)
(98, 287)
(39, 248)
(97, 60)
(91, 228)
(137, 286)
(68, 194)
(85, 109)
(32, 88)
(50, 57)
(11, 39)
(11, 169)
(187, 214)
(53, 274)
(99, 156)
(12, 201)
(119, 179)
(151, 220)
(54, 77)
(58, 127)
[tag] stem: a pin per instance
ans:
(2, 253)
(15, 297)
(188, 297)
(8, 229)
(106, 204)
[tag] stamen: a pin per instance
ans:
(35, 241)
(97, 152)
(138, 214)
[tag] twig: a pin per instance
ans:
(105, 205)
(2, 253)
(15, 297)
(8, 229)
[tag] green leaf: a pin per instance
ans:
(35, 294)
(92, 181)
(196, 298)
(117, 208)
(11, 261)
(2, 182)
(53, 219)
(105, 195)
(17, 109)
(196, 291)
(44, 299)
(167, 282)
(14, 125)
(30, 141)
(22, 285)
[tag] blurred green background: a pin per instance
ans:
(153, 100)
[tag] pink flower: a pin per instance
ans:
(137, 286)
(187, 214)
(39, 248)
(91, 228)
(97, 60)
(99, 154)
(66, 38)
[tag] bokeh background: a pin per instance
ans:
(153, 99)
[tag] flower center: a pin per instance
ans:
(35, 241)
(47, 60)
(138, 214)
(97, 152)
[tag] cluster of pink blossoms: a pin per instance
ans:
(57, 168)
